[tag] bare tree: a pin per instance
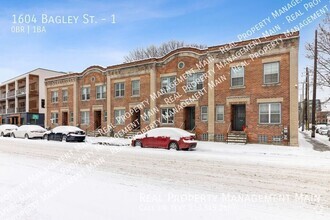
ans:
(158, 51)
(323, 47)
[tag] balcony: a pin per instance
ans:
(20, 109)
(21, 91)
(10, 110)
(11, 94)
(2, 111)
(2, 96)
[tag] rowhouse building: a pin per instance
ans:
(247, 87)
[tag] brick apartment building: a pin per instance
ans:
(248, 86)
(22, 99)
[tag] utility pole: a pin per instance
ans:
(314, 87)
(307, 100)
(303, 101)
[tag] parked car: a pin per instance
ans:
(167, 138)
(7, 129)
(324, 130)
(329, 134)
(29, 131)
(317, 127)
(65, 133)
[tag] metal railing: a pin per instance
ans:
(21, 109)
(11, 110)
(11, 93)
(21, 91)
(3, 96)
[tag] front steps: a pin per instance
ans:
(237, 137)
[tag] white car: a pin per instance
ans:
(324, 130)
(6, 129)
(65, 133)
(317, 127)
(29, 131)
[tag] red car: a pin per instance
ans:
(167, 138)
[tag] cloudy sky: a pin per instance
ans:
(66, 44)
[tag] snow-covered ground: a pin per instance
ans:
(54, 180)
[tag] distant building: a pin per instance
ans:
(323, 117)
(22, 99)
(310, 107)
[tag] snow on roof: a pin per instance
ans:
(66, 129)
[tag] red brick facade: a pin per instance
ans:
(230, 100)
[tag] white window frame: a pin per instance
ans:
(136, 90)
(85, 93)
(119, 116)
(203, 113)
(54, 95)
(270, 113)
(65, 98)
(220, 110)
(193, 78)
(167, 117)
(54, 117)
(167, 84)
(101, 92)
(85, 117)
(234, 75)
(271, 73)
(120, 89)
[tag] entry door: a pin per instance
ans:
(238, 117)
(97, 120)
(189, 118)
(64, 118)
(136, 119)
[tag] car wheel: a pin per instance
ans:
(138, 143)
(173, 145)
(26, 136)
(64, 138)
(2, 134)
(12, 135)
(45, 137)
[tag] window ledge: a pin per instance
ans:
(267, 125)
(101, 99)
(135, 96)
(220, 122)
(237, 87)
(271, 84)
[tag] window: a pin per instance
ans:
(101, 92)
(42, 103)
(119, 89)
(146, 115)
(262, 139)
(119, 117)
(54, 118)
(219, 137)
(85, 118)
(271, 72)
(167, 116)
(205, 137)
(64, 95)
(167, 84)
(105, 116)
(220, 113)
(194, 82)
(237, 76)
(204, 113)
(85, 93)
(270, 113)
(54, 97)
(71, 116)
(135, 87)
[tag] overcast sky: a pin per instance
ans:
(76, 46)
